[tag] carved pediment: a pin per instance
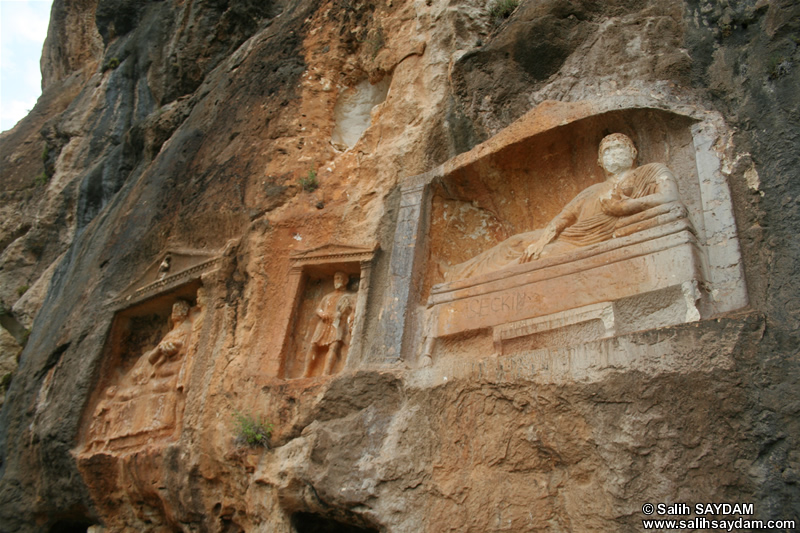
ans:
(332, 252)
(173, 268)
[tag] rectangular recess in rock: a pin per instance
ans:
(141, 391)
(146, 360)
(327, 290)
(651, 238)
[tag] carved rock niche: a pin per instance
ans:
(328, 287)
(152, 344)
(671, 263)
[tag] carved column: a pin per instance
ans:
(294, 285)
(400, 333)
(357, 343)
(724, 258)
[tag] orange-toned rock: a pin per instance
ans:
(211, 153)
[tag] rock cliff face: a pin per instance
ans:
(177, 203)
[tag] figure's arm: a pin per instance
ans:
(321, 313)
(562, 221)
(621, 205)
(325, 317)
(164, 350)
(154, 355)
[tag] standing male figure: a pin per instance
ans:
(335, 316)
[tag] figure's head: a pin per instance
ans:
(340, 280)
(202, 298)
(180, 310)
(617, 153)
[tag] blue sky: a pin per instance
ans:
(23, 28)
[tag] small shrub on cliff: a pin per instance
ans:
(252, 431)
(22, 289)
(309, 183)
(502, 9)
(41, 179)
(112, 64)
(5, 382)
(25, 336)
(777, 66)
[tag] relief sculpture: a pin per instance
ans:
(594, 216)
(147, 401)
(621, 256)
(323, 322)
(335, 316)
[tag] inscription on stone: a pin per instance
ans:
(503, 303)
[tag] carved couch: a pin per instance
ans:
(651, 270)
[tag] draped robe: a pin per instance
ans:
(588, 223)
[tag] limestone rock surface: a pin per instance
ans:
(195, 126)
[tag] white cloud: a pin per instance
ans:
(11, 112)
(23, 28)
(24, 20)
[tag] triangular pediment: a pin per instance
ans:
(172, 268)
(334, 252)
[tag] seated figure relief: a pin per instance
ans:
(335, 316)
(147, 399)
(591, 217)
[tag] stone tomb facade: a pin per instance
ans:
(140, 395)
(668, 255)
(328, 288)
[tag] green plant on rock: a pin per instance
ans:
(309, 183)
(112, 64)
(502, 9)
(252, 431)
(42, 178)
(22, 289)
(5, 382)
(777, 66)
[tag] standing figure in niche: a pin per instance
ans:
(589, 218)
(149, 396)
(157, 370)
(335, 314)
(169, 359)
